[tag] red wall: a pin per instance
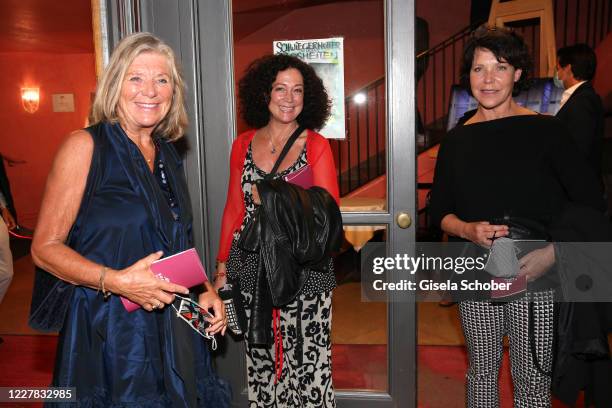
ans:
(603, 80)
(444, 17)
(36, 137)
(361, 23)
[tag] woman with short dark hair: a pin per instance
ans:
(507, 162)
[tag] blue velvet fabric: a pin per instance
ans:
(139, 359)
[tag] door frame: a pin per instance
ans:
(200, 33)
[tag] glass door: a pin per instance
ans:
(373, 343)
(370, 77)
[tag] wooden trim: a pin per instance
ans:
(97, 36)
(518, 10)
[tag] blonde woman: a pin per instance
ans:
(116, 200)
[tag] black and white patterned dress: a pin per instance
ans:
(305, 324)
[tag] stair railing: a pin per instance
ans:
(360, 157)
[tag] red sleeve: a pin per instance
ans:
(234, 204)
(321, 160)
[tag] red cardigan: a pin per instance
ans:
(319, 158)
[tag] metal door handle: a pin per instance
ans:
(403, 219)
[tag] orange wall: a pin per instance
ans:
(36, 137)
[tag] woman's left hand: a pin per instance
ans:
(536, 263)
(210, 300)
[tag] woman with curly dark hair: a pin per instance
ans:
(281, 98)
(505, 164)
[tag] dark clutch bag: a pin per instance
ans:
(523, 228)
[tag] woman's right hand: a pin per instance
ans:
(482, 232)
(138, 284)
(479, 232)
(220, 276)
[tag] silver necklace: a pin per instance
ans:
(273, 149)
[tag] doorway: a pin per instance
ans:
(375, 161)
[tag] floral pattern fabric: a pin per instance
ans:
(306, 380)
(242, 265)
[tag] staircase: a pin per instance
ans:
(360, 158)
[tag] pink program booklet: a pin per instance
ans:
(302, 177)
(183, 269)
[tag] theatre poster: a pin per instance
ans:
(326, 56)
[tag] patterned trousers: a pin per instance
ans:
(484, 326)
(306, 375)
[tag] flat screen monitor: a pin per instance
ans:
(542, 96)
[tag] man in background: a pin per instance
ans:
(581, 108)
(582, 113)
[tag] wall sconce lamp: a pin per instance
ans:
(30, 98)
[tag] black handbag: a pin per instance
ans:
(523, 229)
(51, 296)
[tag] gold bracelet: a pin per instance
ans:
(105, 293)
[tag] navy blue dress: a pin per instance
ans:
(139, 359)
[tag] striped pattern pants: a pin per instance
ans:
(484, 326)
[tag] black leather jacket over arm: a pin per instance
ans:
(294, 230)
